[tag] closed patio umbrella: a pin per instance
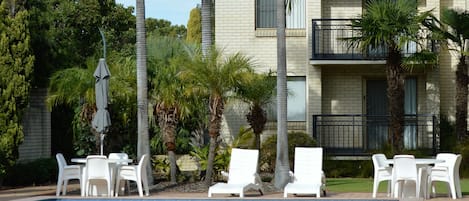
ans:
(101, 120)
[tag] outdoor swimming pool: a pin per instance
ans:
(244, 199)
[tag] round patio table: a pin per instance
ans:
(114, 164)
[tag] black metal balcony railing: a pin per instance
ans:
(328, 43)
(357, 134)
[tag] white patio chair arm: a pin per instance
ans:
(292, 176)
(224, 174)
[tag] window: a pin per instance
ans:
(296, 101)
(266, 14)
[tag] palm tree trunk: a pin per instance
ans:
(216, 112)
(206, 25)
(282, 166)
(257, 118)
(461, 98)
(143, 144)
(395, 81)
(167, 121)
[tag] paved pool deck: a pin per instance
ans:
(36, 193)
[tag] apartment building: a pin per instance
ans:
(339, 94)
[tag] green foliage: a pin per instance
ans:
(351, 168)
(161, 167)
(37, 172)
(245, 139)
(463, 149)
(16, 67)
(161, 27)
(448, 137)
(194, 27)
(182, 142)
(220, 163)
(269, 149)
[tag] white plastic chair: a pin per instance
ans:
(135, 173)
(404, 171)
(242, 174)
(114, 166)
(97, 170)
(447, 172)
(66, 173)
(382, 172)
(308, 177)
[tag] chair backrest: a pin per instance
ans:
(119, 156)
(456, 165)
(379, 161)
(308, 164)
(142, 165)
(243, 166)
(404, 167)
(97, 167)
(60, 161)
(449, 158)
(452, 162)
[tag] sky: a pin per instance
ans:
(175, 11)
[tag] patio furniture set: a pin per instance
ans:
(408, 176)
(100, 175)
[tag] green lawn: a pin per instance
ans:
(366, 185)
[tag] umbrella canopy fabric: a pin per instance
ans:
(101, 120)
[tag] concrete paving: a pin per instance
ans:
(37, 193)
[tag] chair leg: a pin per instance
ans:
(117, 188)
(59, 186)
(139, 187)
(452, 187)
(145, 185)
(64, 187)
(375, 187)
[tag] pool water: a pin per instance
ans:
(244, 199)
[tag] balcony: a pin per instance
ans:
(327, 43)
(361, 135)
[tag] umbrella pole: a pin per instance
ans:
(102, 139)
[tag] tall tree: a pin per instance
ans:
(163, 27)
(16, 66)
(216, 77)
(194, 29)
(390, 24)
(453, 30)
(282, 165)
(170, 102)
(143, 142)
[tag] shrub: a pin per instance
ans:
(350, 168)
(269, 149)
(448, 138)
(40, 171)
(220, 163)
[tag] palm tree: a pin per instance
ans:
(391, 24)
(217, 77)
(258, 93)
(454, 28)
(143, 143)
(75, 87)
(170, 101)
(282, 165)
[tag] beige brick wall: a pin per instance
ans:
(235, 31)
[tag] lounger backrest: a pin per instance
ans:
(308, 164)
(243, 166)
